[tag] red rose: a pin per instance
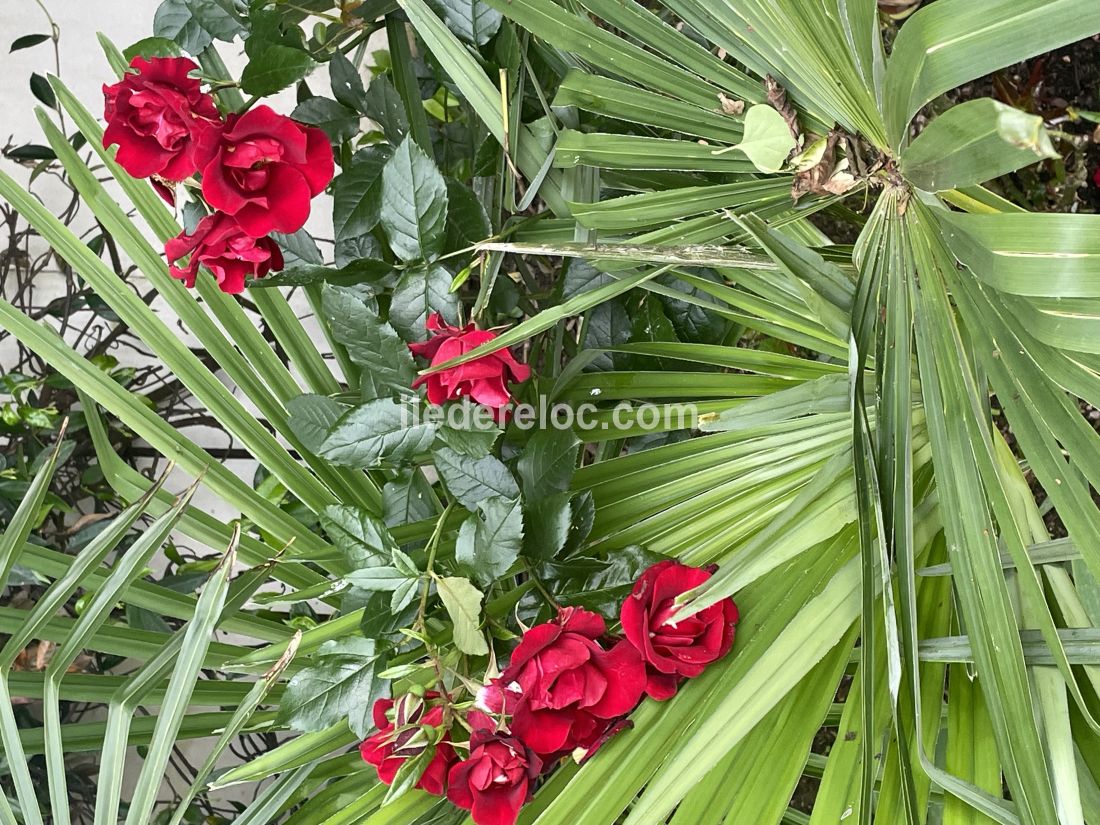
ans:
(219, 244)
(402, 738)
(571, 689)
(675, 651)
(482, 379)
(265, 168)
(497, 779)
(153, 116)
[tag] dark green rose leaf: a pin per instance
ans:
(357, 247)
(357, 193)
(583, 517)
(381, 431)
(408, 498)
(475, 430)
(363, 270)
(195, 24)
(335, 119)
(489, 542)
(548, 524)
(385, 107)
(274, 68)
(363, 538)
(475, 21)
(347, 83)
(474, 480)
(298, 248)
(340, 684)
(603, 590)
(374, 579)
(467, 221)
(311, 417)
(418, 294)
(371, 343)
(153, 47)
(548, 463)
(414, 204)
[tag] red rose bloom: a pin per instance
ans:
(497, 779)
(219, 244)
(681, 650)
(571, 689)
(264, 169)
(482, 379)
(394, 743)
(153, 115)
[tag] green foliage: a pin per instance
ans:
(850, 406)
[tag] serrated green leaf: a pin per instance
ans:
(548, 524)
(361, 536)
(312, 416)
(153, 47)
(274, 68)
(489, 542)
(380, 431)
(548, 462)
(347, 83)
(463, 603)
(414, 201)
(472, 481)
(357, 193)
(418, 294)
(475, 21)
(373, 344)
(373, 579)
(194, 24)
(340, 685)
(385, 107)
(335, 119)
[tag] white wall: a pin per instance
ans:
(84, 69)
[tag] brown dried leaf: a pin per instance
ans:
(731, 106)
(777, 97)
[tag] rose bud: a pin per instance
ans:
(230, 253)
(497, 779)
(265, 168)
(570, 686)
(675, 651)
(484, 379)
(153, 114)
(401, 736)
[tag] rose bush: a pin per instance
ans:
(567, 689)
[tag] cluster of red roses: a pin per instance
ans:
(260, 169)
(567, 690)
